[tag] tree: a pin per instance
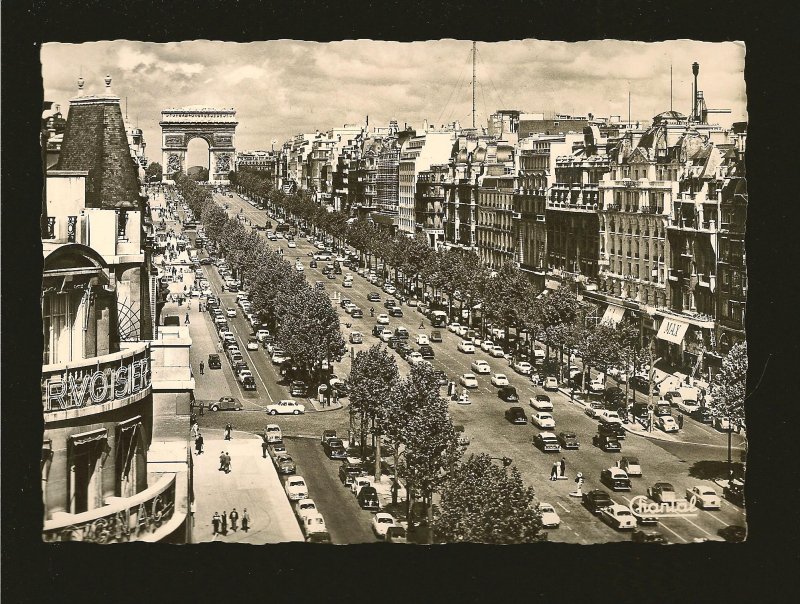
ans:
(373, 376)
(485, 503)
(555, 314)
(729, 387)
(154, 172)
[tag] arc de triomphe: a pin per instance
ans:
(216, 126)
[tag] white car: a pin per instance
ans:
(262, 334)
(252, 344)
(291, 244)
(231, 312)
(278, 356)
(593, 409)
(381, 523)
(414, 358)
(313, 523)
(538, 353)
(541, 402)
(461, 330)
(274, 435)
(705, 497)
(468, 380)
(487, 345)
(688, 406)
(573, 371)
(296, 488)
(618, 516)
(543, 420)
(522, 367)
(422, 339)
(480, 366)
(453, 327)
(389, 289)
(550, 519)
(667, 423)
(350, 307)
(497, 352)
(298, 266)
(347, 283)
(499, 380)
(597, 385)
(305, 507)
(360, 482)
(466, 346)
(609, 417)
(286, 407)
(382, 319)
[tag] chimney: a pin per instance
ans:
(425, 125)
(81, 83)
(695, 71)
(108, 85)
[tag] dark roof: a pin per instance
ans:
(95, 141)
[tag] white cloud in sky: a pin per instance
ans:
(283, 87)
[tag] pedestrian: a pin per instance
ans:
(195, 429)
(228, 429)
(422, 324)
(216, 519)
(219, 346)
(554, 471)
(245, 520)
(224, 523)
(680, 420)
(221, 460)
(186, 321)
(234, 519)
(227, 463)
(202, 366)
(563, 467)
(264, 446)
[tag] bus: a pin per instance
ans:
(439, 318)
(282, 227)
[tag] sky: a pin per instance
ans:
(284, 87)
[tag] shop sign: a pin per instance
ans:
(642, 506)
(75, 388)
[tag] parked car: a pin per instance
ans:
(296, 488)
(705, 497)
(550, 383)
(334, 449)
(541, 402)
(734, 492)
(273, 434)
(285, 407)
(733, 533)
(381, 523)
(667, 423)
(305, 507)
(547, 442)
(497, 352)
(348, 471)
(466, 346)
(327, 435)
(298, 388)
(214, 361)
(594, 409)
(543, 419)
(284, 464)
(226, 403)
(648, 537)
(673, 397)
(396, 534)
(516, 415)
(368, 499)
(615, 479)
(568, 440)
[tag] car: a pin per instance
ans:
(541, 402)
(594, 409)
(278, 356)
(360, 482)
(247, 381)
(262, 334)
(231, 313)
(550, 519)
(607, 416)
(382, 319)
(414, 358)
(616, 479)
(607, 442)
(453, 327)
(538, 353)
(226, 403)
(334, 449)
(461, 331)
(734, 492)
(497, 352)
(252, 343)
(284, 464)
(357, 313)
(466, 346)
(386, 335)
(291, 244)
(662, 408)
(422, 338)
(436, 336)
(703, 415)
(618, 516)
(396, 534)
(673, 397)
(426, 351)
(349, 470)
(516, 415)
(327, 435)
(499, 380)
(312, 264)
(298, 266)
(296, 488)
(667, 423)
(305, 507)
(543, 419)
(214, 361)
(347, 283)
(547, 442)
(597, 385)
(508, 394)
(704, 497)
(662, 492)
(374, 297)
(285, 407)
(441, 377)
(630, 465)
(595, 500)
(396, 311)
(550, 383)
(522, 367)
(641, 383)
(568, 440)
(298, 388)
(356, 337)
(733, 533)
(381, 523)
(648, 537)
(468, 380)
(480, 366)
(348, 306)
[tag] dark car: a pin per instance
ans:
(312, 264)
(403, 349)
(327, 435)
(395, 311)
(357, 313)
(508, 394)
(368, 499)
(606, 443)
(393, 342)
(426, 351)
(374, 297)
(703, 415)
(516, 415)
(648, 537)
(285, 464)
(348, 471)
(662, 409)
(612, 429)
(640, 383)
(596, 499)
(568, 440)
(441, 377)
(616, 481)
(396, 534)
(344, 302)
(214, 362)
(389, 303)
(733, 533)
(613, 397)
(377, 330)
(436, 336)
(321, 537)
(334, 448)
(734, 492)
(298, 388)
(248, 383)
(226, 403)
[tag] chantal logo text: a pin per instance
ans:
(641, 506)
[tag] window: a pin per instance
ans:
(129, 457)
(56, 327)
(85, 457)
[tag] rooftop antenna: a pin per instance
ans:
(126, 108)
(629, 106)
(474, 50)
(670, 86)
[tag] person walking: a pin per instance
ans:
(198, 443)
(234, 519)
(245, 520)
(227, 463)
(680, 421)
(216, 520)
(563, 467)
(202, 366)
(186, 321)
(264, 446)
(228, 429)
(195, 429)
(224, 522)
(219, 346)
(554, 471)
(221, 460)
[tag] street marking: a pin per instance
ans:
(714, 516)
(563, 507)
(697, 526)
(661, 524)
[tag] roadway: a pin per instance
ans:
(489, 431)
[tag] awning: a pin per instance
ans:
(87, 437)
(613, 315)
(672, 330)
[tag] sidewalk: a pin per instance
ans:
(252, 484)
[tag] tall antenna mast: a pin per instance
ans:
(126, 108)
(629, 107)
(473, 84)
(670, 86)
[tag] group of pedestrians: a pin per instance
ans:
(225, 462)
(559, 469)
(220, 522)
